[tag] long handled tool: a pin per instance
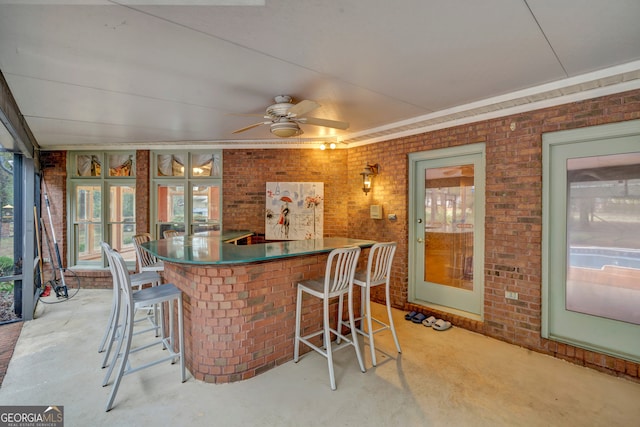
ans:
(61, 290)
(40, 282)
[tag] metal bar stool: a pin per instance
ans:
(378, 272)
(147, 262)
(337, 281)
(137, 280)
(130, 301)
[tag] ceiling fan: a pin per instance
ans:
(284, 118)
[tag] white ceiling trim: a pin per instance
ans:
(587, 86)
(214, 145)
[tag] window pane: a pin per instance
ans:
(205, 207)
(603, 236)
(11, 290)
(171, 203)
(122, 204)
(206, 165)
(7, 203)
(162, 227)
(88, 238)
(88, 165)
(88, 203)
(121, 165)
(122, 219)
(88, 209)
(122, 240)
(170, 164)
(449, 226)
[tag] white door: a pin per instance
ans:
(447, 229)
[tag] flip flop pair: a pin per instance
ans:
(415, 317)
(436, 324)
(410, 316)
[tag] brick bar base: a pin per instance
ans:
(239, 319)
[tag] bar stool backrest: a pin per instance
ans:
(341, 267)
(170, 233)
(143, 258)
(379, 262)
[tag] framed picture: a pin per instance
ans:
(294, 210)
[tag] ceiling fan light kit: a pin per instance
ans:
(284, 118)
(285, 129)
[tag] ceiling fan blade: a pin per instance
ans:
(323, 122)
(255, 125)
(302, 108)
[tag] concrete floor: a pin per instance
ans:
(451, 378)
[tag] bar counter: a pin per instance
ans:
(240, 300)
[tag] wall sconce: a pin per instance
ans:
(368, 173)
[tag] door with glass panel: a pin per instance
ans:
(591, 280)
(447, 218)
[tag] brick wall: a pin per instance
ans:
(54, 177)
(513, 223)
(245, 173)
(143, 177)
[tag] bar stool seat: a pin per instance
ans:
(337, 281)
(130, 301)
(377, 273)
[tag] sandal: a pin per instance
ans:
(418, 318)
(409, 316)
(429, 321)
(441, 325)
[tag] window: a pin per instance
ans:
(102, 205)
(591, 230)
(186, 191)
(10, 284)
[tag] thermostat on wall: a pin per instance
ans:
(375, 211)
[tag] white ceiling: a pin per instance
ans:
(89, 73)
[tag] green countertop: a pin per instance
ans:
(208, 249)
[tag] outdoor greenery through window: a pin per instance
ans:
(7, 235)
(102, 205)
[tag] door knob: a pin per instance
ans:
(419, 240)
(419, 220)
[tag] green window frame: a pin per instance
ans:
(186, 191)
(101, 206)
